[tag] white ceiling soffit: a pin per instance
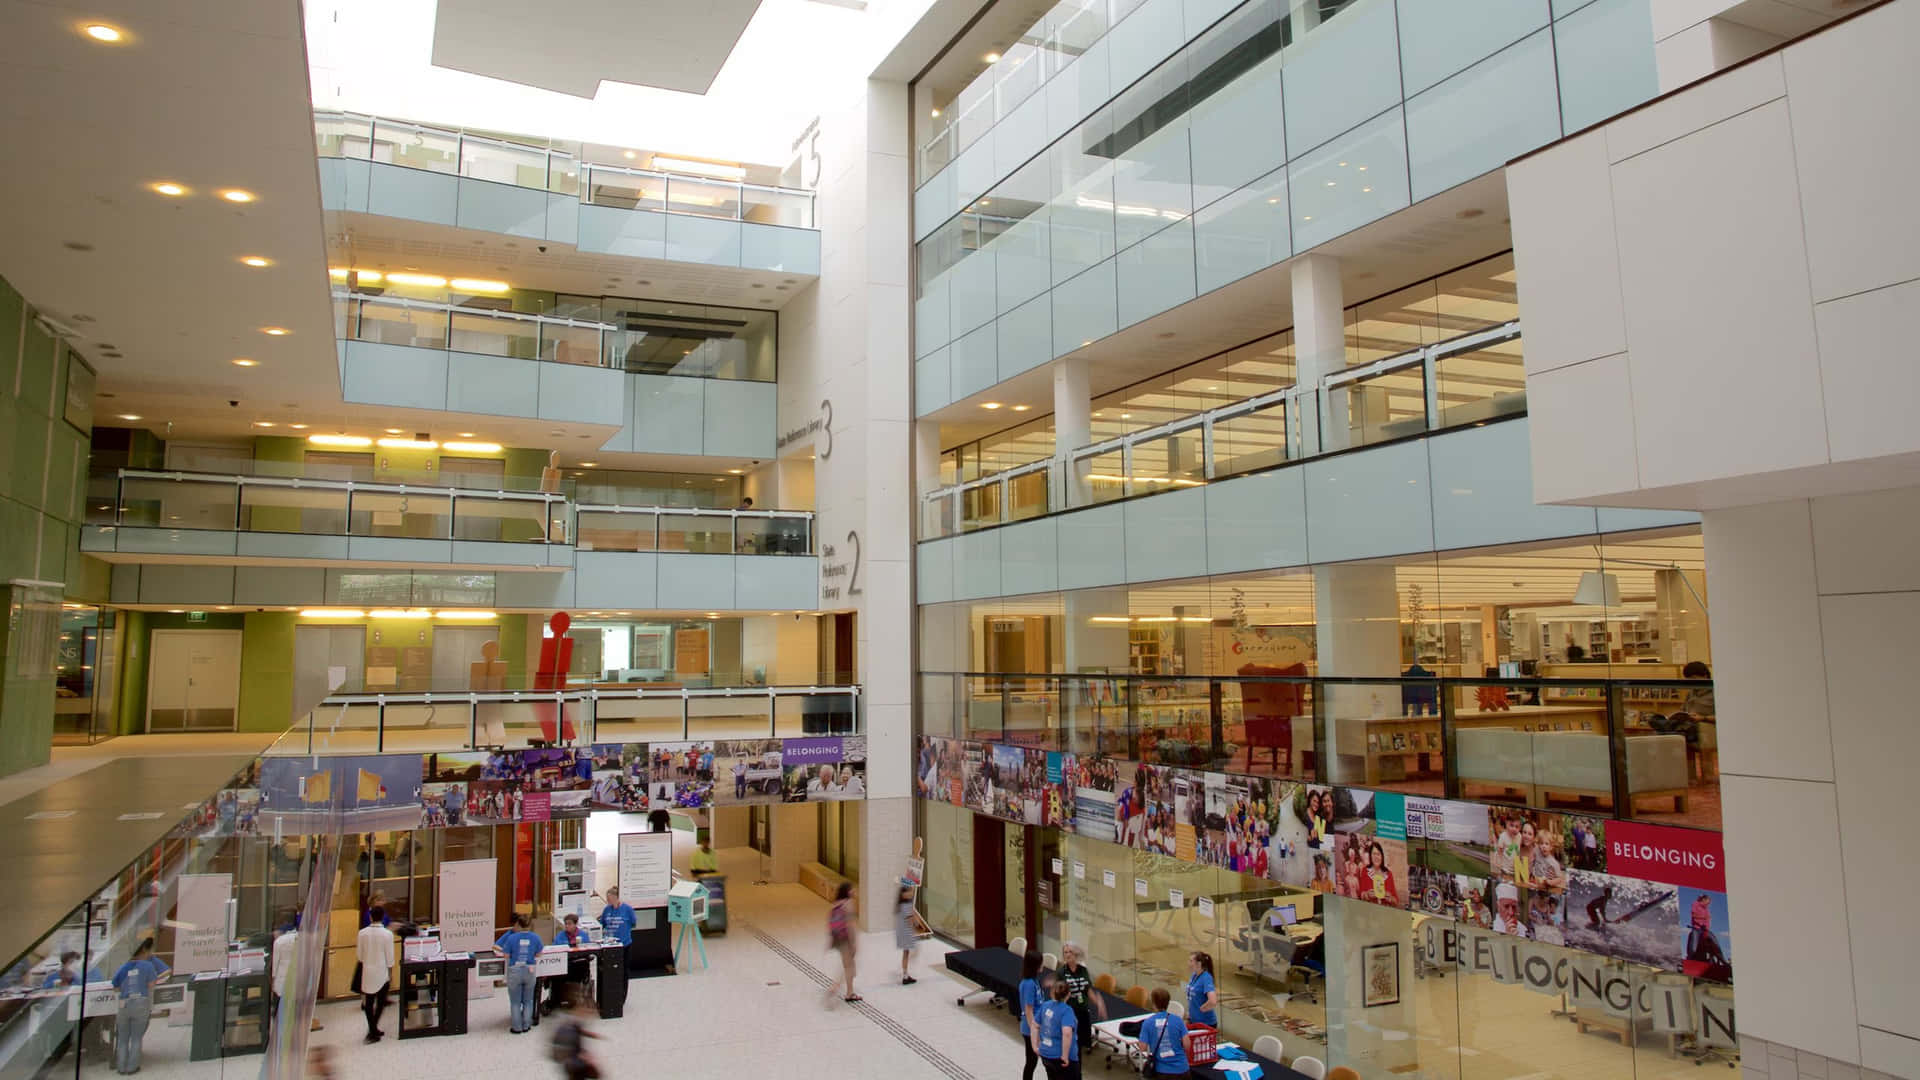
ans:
(570, 46)
(212, 97)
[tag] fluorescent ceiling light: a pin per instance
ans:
(395, 613)
(332, 613)
(339, 440)
(714, 169)
(479, 285)
(472, 447)
(241, 361)
(129, 416)
(103, 32)
(275, 331)
(464, 616)
(409, 444)
(429, 281)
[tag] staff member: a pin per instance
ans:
(616, 923)
(1164, 1036)
(1030, 998)
(579, 966)
(135, 981)
(1055, 1038)
(1078, 980)
(521, 947)
(1202, 997)
(373, 950)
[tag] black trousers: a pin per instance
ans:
(1083, 1027)
(374, 1005)
(1033, 1059)
(1057, 1071)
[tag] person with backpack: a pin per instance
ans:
(1164, 1037)
(840, 939)
(1055, 1038)
(570, 1041)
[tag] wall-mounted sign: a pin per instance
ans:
(815, 426)
(834, 565)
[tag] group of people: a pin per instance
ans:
(1057, 1010)
(1364, 873)
(1526, 854)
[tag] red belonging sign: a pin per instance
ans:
(1691, 858)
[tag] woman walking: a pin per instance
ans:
(840, 939)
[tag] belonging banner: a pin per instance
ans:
(1688, 857)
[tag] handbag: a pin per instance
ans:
(1151, 1067)
(355, 984)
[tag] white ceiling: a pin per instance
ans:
(211, 96)
(371, 241)
(569, 46)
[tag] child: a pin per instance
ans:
(906, 932)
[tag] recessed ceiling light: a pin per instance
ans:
(1126, 416)
(993, 58)
(298, 427)
(340, 440)
(713, 614)
(242, 361)
(168, 187)
(629, 155)
(736, 472)
(1366, 189)
(256, 261)
(275, 331)
(589, 464)
(466, 434)
(393, 431)
(1021, 408)
(129, 416)
(263, 423)
(103, 32)
(237, 195)
(989, 404)
(430, 281)
(936, 114)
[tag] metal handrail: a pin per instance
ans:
(372, 486)
(457, 309)
(1302, 402)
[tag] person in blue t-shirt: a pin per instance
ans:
(1055, 1039)
(521, 947)
(135, 981)
(1164, 1037)
(617, 919)
(1030, 999)
(562, 990)
(1202, 998)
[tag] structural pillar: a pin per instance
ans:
(1072, 424)
(1357, 618)
(1319, 350)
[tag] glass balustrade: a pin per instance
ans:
(327, 506)
(485, 331)
(1464, 381)
(551, 168)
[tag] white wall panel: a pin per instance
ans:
(1166, 535)
(1374, 502)
(1095, 542)
(1868, 378)
(1566, 257)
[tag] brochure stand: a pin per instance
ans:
(687, 907)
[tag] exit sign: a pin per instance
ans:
(196, 616)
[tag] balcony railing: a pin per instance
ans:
(426, 324)
(1616, 747)
(140, 498)
(1412, 393)
(376, 722)
(552, 168)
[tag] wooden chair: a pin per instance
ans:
(1343, 1072)
(1138, 998)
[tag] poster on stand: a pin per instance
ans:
(467, 891)
(200, 922)
(646, 868)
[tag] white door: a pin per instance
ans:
(193, 680)
(317, 648)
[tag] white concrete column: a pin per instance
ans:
(1319, 346)
(1357, 617)
(1072, 424)
(1092, 644)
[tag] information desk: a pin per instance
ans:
(998, 970)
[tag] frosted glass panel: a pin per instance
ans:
(1441, 37)
(1242, 233)
(1152, 172)
(1157, 273)
(1483, 117)
(975, 366)
(1081, 215)
(930, 317)
(1605, 53)
(971, 282)
(1340, 74)
(1357, 178)
(932, 383)
(1026, 337)
(1237, 134)
(1083, 309)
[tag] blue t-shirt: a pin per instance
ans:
(136, 977)
(1164, 1035)
(618, 923)
(519, 946)
(1198, 988)
(560, 937)
(1057, 1021)
(1029, 997)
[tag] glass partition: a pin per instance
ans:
(272, 508)
(416, 515)
(607, 530)
(702, 534)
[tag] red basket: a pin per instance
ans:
(1200, 1048)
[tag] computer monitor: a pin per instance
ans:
(1282, 915)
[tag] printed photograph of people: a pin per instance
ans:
(619, 789)
(1509, 909)
(442, 805)
(1452, 896)
(1004, 780)
(927, 778)
(1033, 788)
(1189, 796)
(746, 771)
(1546, 916)
(681, 761)
(1586, 847)
(1366, 866)
(1130, 807)
(1062, 770)
(493, 802)
(1452, 836)
(1625, 917)
(1317, 812)
(1526, 849)
(1709, 943)
(1289, 859)
(977, 785)
(1239, 826)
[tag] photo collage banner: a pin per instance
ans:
(1650, 894)
(280, 795)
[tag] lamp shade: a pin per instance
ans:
(1598, 588)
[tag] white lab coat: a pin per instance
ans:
(374, 950)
